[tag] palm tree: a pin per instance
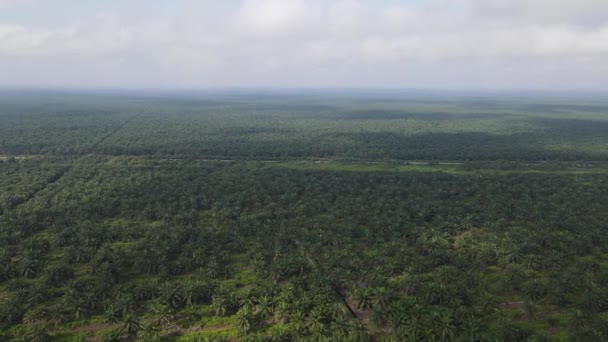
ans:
(316, 319)
(149, 331)
(131, 324)
(277, 254)
(244, 320)
(472, 329)
(511, 255)
(297, 319)
(11, 311)
(392, 268)
(417, 321)
(79, 307)
(501, 316)
(488, 302)
(163, 314)
(57, 314)
(379, 317)
(248, 299)
(37, 295)
(172, 294)
(28, 268)
(341, 327)
(381, 297)
(191, 315)
(36, 333)
(363, 298)
(264, 307)
(358, 332)
(190, 293)
(532, 261)
(578, 320)
(220, 305)
(515, 273)
(445, 327)
(535, 289)
(405, 285)
(397, 318)
(30, 317)
(213, 269)
(112, 314)
(282, 311)
(125, 301)
(426, 333)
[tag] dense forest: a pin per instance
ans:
(288, 217)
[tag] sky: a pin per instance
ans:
(188, 44)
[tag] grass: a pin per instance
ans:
(228, 333)
(341, 165)
(245, 277)
(463, 169)
(69, 337)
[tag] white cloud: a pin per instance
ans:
(8, 3)
(319, 43)
(271, 17)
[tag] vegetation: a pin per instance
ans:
(301, 217)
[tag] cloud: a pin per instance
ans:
(272, 17)
(588, 12)
(8, 3)
(473, 43)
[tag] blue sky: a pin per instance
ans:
(473, 44)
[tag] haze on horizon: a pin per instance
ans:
(453, 44)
